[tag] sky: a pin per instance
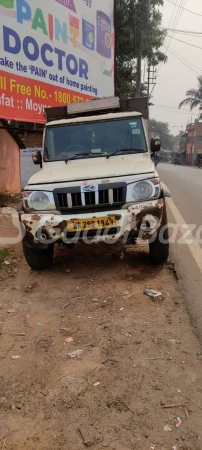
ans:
(174, 78)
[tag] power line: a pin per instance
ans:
(174, 26)
(170, 23)
(190, 33)
(174, 23)
(176, 111)
(180, 14)
(178, 57)
(191, 45)
(174, 107)
(185, 9)
(198, 68)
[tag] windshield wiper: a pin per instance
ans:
(123, 150)
(76, 156)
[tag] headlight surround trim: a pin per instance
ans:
(153, 190)
(45, 200)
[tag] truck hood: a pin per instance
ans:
(95, 168)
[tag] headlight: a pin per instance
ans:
(143, 190)
(39, 201)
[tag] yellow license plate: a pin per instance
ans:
(91, 224)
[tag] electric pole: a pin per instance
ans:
(139, 59)
(151, 80)
(139, 74)
(149, 66)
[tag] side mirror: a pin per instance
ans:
(155, 145)
(37, 158)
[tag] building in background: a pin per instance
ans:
(190, 145)
(10, 144)
(190, 128)
(16, 141)
(193, 142)
(183, 147)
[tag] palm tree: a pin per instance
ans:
(194, 97)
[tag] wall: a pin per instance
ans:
(31, 140)
(10, 179)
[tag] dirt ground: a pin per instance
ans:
(143, 353)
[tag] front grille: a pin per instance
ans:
(118, 194)
(76, 200)
(89, 198)
(62, 201)
(103, 197)
(109, 195)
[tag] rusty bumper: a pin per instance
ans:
(143, 218)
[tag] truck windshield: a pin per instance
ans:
(94, 139)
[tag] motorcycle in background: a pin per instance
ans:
(156, 160)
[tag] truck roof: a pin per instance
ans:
(96, 118)
(98, 107)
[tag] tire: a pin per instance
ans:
(38, 259)
(159, 251)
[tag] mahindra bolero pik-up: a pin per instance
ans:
(97, 182)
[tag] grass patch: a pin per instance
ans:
(4, 253)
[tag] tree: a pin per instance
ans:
(194, 97)
(162, 128)
(137, 32)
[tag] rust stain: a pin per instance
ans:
(117, 216)
(28, 229)
(146, 236)
(155, 211)
(35, 217)
(61, 226)
(152, 210)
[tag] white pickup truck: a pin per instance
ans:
(97, 182)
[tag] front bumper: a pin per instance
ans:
(133, 220)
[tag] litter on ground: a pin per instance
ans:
(152, 293)
(75, 354)
(179, 423)
(69, 339)
(167, 428)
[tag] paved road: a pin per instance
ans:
(185, 184)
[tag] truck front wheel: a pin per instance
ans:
(38, 259)
(159, 248)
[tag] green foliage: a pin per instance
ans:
(3, 255)
(137, 31)
(194, 97)
(162, 128)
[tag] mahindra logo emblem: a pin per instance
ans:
(89, 189)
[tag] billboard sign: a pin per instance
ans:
(54, 52)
